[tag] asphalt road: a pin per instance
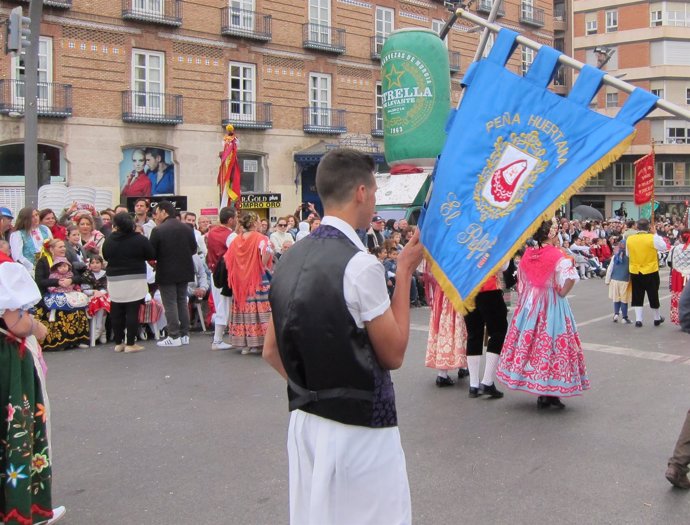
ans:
(189, 436)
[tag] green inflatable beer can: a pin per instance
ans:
(415, 86)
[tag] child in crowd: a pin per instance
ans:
(64, 294)
(95, 286)
(618, 280)
(5, 248)
(390, 264)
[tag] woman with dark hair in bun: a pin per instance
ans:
(542, 353)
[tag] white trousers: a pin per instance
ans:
(223, 306)
(346, 474)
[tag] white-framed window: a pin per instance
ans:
(591, 27)
(659, 92)
(320, 21)
(379, 106)
(527, 59)
(527, 9)
(319, 99)
(675, 18)
(612, 100)
(623, 174)
(664, 174)
(148, 81)
(611, 21)
(383, 25)
(45, 74)
(676, 136)
(656, 18)
(148, 7)
(242, 90)
(242, 14)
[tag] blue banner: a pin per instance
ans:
(515, 152)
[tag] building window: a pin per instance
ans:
(320, 21)
(383, 26)
(379, 106)
(686, 178)
(598, 180)
(591, 27)
(319, 99)
(252, 172)
(242, 85)
(45, 74)
(658, 92)
(676, 136)
(242, 14)
(527, 59)
(148, 7)
(148, 76)
(623, 174)
(675, 18)
(655, 19)
(687, 96)
(611, 100)
(664, 173)
(611, 21)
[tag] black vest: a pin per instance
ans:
(330, 363)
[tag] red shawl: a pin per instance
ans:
(5, 258)
(539, 264)
(245, 267)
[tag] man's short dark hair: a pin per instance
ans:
(168, 208)
(226, 214)
(340, 172)
(643, 224)
(189, 213)
(156, 152)
(142, 199)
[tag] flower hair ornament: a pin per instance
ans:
(553, 231)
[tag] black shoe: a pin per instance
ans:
(490, 390)
(627, 320)
(657, 322)
(474, 392)
(444, 381)
(463, 373)
(543, 402)
(638, 324)
(555, 402)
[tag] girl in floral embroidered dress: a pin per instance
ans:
(95, 286)
(542, 353)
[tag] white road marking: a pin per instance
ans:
(640, 354)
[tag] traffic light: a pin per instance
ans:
(18, 32)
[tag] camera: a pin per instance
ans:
(305, 206)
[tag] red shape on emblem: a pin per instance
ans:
(505, 179)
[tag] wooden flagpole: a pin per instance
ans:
(653, 184)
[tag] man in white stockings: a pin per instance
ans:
(218, 238)
(346, 461)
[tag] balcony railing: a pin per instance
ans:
(152, 108)
(376, 43)
(54, 100)
(246, 114)
(377, 124)
(324, 120)
(484, 6)
(559, 12)
(531, 15)
(165, 12)
(323, 38)
(62, 4)
(454, 61)
(245, 24)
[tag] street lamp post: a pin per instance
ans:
(31, 107)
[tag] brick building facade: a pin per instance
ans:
(646, 44)
(141, 78)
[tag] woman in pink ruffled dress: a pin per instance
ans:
(542, 353)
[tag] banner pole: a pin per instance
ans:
(575, 64)
(653, 182)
